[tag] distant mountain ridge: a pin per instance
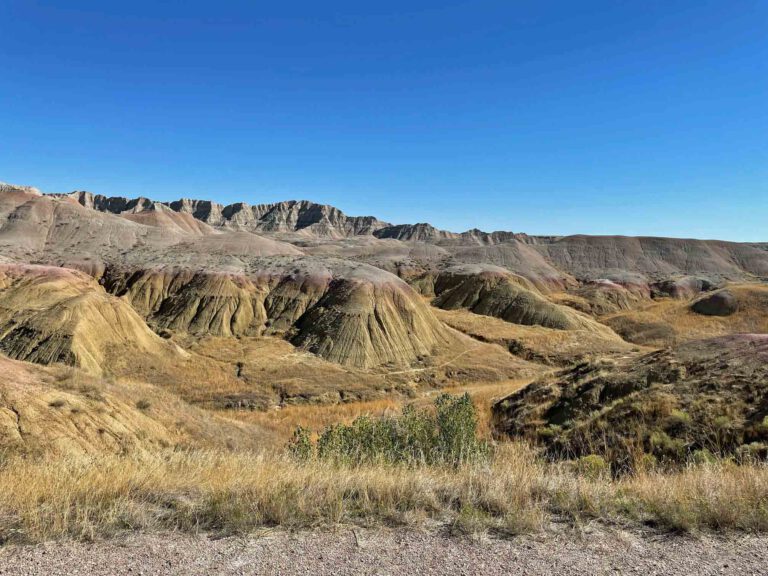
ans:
(552, 263)
(302, 216)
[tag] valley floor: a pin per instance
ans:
(345, 552)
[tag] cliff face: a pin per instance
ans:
(552, 262)
(415, 232)
(284, 217)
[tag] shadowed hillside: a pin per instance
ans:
(705, 396)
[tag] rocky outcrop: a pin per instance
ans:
(721, 303)
(59, 230)
(204, 210)
(551, 262)
(422, 232)
(308, 217)
(281, 217)
(6, 188)
(682, 288)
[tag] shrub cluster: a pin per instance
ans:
(445, 435)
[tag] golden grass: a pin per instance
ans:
(688, 325)
(88, 497)
(283, 421)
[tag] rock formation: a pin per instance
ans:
(358, 316)
(720, 303)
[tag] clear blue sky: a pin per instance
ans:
(602, 117)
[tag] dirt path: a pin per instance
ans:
(381, 552)
(436, 367)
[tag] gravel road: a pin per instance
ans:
(344, 552)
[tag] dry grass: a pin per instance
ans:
(283, 421)
(671, 321)
(85, 497)
(541, 345)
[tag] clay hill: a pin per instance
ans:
(262, 306)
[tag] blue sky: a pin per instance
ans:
(550, 117)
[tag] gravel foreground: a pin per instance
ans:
(380, 552)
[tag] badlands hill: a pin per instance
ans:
(205, 281)
(352, 289)
(261, 306)
(61, 411)
(144, 291)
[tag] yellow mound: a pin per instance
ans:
(354, 315)
(58, 315)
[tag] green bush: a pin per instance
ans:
(703, 456)
(445, 435)
(593, 466)
(300, 445)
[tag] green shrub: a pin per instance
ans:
(703, 456)
(300, 446)
(445, 435)
(752, 452)
(722, 422)
(546, 433)
(592, 466)
(665, 447)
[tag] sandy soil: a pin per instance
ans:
(347, 551)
